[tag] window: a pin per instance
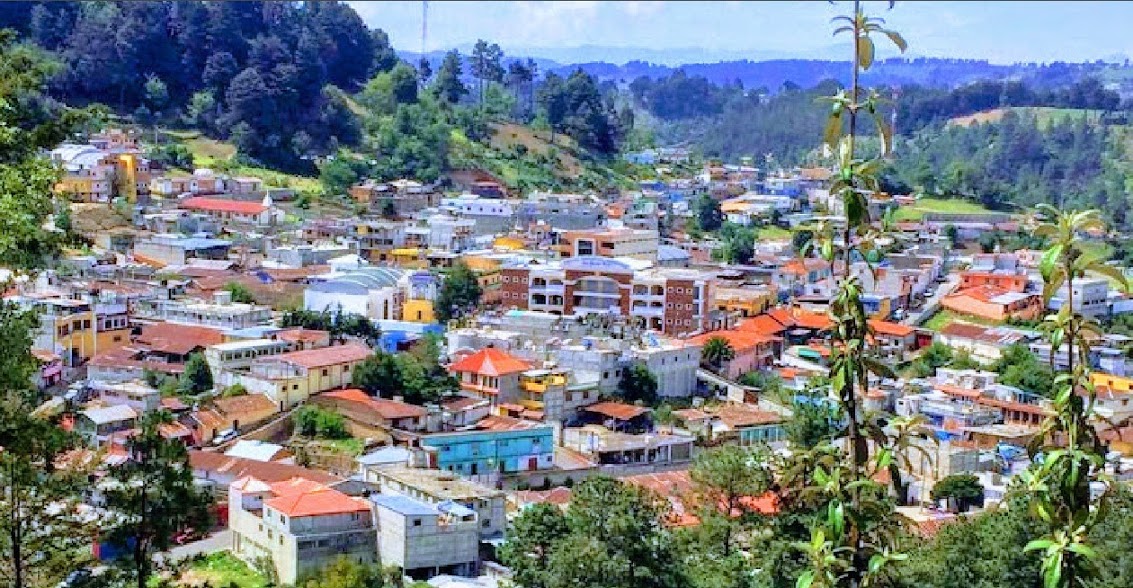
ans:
(416, 522)
(326, 373)
(487, 523)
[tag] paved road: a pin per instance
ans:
(218, 541)
(932, 303)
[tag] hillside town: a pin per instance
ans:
(562, 337)
(286, 307)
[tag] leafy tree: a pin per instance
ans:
(934, 356)
(717, 351)
(853, 544)
(378, 375)
(173, 155)
(219, 70)
(611, 535)
(447, 84)
(1017, 366)
(317, 422)
(459, 293)
(341, 172)
(531, 539)
(726, 475)
(814, 420)
(964, 489)
(240, 293)
(197, 377)
(153, 496)
(41, 534)
(1059, 485)
(486, 65)
(708, 214)
(637, 384)
(31, 124)
(156, 93)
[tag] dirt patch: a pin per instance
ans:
(506, 136)
(993, 115)
(91, 219)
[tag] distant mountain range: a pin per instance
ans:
(766, 69)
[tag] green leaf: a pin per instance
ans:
(833, 129)
(1049, 259)
(897, 39)
(805, 579)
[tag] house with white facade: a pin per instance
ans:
(298, 525)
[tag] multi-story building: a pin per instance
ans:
(438, 486)
(110, 165)
(614, 242)
(299, 526)
(562, 211)
(426, 540)
(291, 378)
(490, 374)
(399, 198)
(1091, 297)
(77, 330)
(669, 300)
(672, 361)
(203, 181)
(489, 216)
(222, 312)
(499, 444)
(555, 394)
(378, 238)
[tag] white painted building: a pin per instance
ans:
(299, 526)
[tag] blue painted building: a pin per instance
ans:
(498, 444)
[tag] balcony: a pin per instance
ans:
(647, 311)
(548, 289)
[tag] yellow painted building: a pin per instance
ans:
(746, 302)
(418, 311)
(1115, 383)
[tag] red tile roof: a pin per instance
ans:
(504, 423)
(178, 339)
(385, 408)
(559, 496)
(490, 362)
(217, 464)
(739, 416)
(617, 410)
(681, 492)
(222, 205)
(327, 356)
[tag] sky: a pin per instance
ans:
(1002, 32)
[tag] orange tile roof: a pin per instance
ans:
(385, 408)
(741, 341)
(303, 498)
(763, 324)
(326, 356)
(218, 464)
(617, 410)
(740, 415)
(892, 329)
(222, 205)
(247, 404)
(490, 361)
(681, 492)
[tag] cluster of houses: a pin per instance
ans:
(577, 290)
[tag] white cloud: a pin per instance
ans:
(548, 23)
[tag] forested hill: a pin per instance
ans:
(291, 86)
